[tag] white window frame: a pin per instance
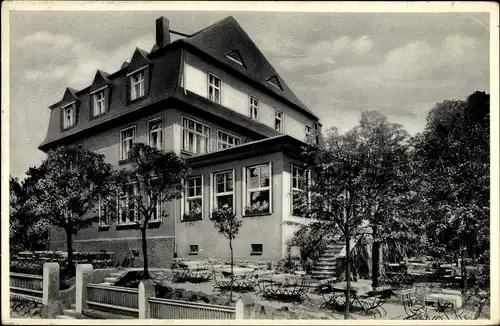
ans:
(215, 87)
(305, 174)
(158, 130)
(158, 207)
(236, 139)
(278, 115)
(97, 100)
(100, 212)
(186, 198)
(140, 82)
(254, 107)
(246, 191)
(122, 140)
(186, 130)
(69, 111)
(127, 197)
(308, 130)
(214, 194)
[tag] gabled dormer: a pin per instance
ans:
(69, 109)
(275, 82)
(100, 94)
(235, 57)
(138, 76)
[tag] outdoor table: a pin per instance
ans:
(445, 301)
(336, 290)
(237, 271)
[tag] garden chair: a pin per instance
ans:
(372, 303)
(413, 304)
(221, 282)
(471, 309)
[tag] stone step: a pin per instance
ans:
(64, 317)
(110, 279)
(116, 274)
(322, 273)
(325, 259)
(105, 283)
(325, 269)
(70, 313)
(330, 262)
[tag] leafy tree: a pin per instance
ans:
(26, 230)
(69, 183)
(156, 177)
(311, 241)
(453, 156)
(229, 226)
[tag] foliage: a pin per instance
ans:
(228, 225)
(453, 159)
(27, 231)
(257, 207)
(156, 178)
(69, 183)
(311, 241)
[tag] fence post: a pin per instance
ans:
(83, 276)
(50, 283)
(240, 309)
(146, 291)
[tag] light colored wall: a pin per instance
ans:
(235, 96)
(257, 229)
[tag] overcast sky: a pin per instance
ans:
(338, 64)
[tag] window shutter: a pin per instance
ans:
(129, 85)
(202, 193)
(147, 79)
(211, 194)
(107, 98)
(243, 190)
(270, 187)
(183, 198)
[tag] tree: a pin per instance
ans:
(26, 230)
(69, 184)
(453, 157)
(156, 177)
(229, 226)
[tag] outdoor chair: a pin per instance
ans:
(471, 309)
(221, 282)
(413, 304)
(373, 303)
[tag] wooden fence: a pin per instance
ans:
(26, 286)
(108, 298)
(175, 309)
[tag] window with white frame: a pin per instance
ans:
(103, 211)
(224, 189)
(226, 140)
(299, 180)
(127, 205)
(193, 204)
(68, 117)
(99, 103)
(278, 120)
(258, 189)
(156, 216)
(127, 139)
(137, 85)
(196, 136)
(156, 134)
(214, 88)
(254, 108)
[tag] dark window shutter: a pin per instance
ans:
(147, 79)
(91, 106)
(107, 98)
(128, 83)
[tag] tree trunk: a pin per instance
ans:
(375, 257)
(348, 276)
(232, 271)
(69, 248)
(463, 270)
(145, 253)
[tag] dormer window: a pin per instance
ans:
(99, 103)
(275, 82)
(69, 116)
(137, 85)
(214, 87)
(234, 56)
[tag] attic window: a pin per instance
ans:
(235, 57)
(275, 82)
(69, 116)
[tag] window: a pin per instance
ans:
(156, 217)
(258, 190)
(308, 130)
(103, 211)
(235, 57)
(254, 108)
(196, 136)
(156, 134)
(298, 186)
(99, 103)
(214, 85)
(127, 208)
(193, 207)
(137, 85)
(127, 140)
(223, 189)
(193, 249)
(225, 140)
(256, 249)
(68, 117)
(278, 120)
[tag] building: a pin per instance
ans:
(213, 98)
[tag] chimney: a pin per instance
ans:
(162, 32)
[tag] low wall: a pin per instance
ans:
(160, 250)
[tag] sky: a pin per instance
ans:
(338, 64)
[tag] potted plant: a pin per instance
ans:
(257, 208)
(193, 215)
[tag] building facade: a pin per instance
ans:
(214, 99)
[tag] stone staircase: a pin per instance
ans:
(326, 266)
(113, 277)
(70, 313)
